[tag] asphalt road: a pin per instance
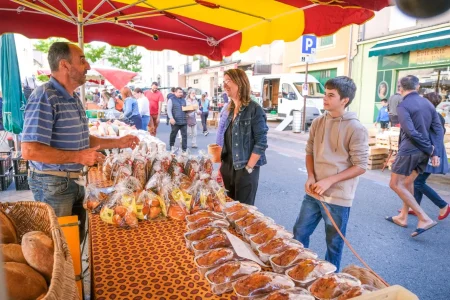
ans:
(420, 264)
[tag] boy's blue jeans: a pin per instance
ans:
(310, 215)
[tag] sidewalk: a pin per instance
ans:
(441, 183)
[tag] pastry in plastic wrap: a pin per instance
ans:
(296, 293)
(201, 234)
(239, 214)
(212, 242)
(356, 291)
(208, 222)
(206, 164)
(139, 169)
(257, 227)
(307, 270)
(278, 245)
(211, 259)
(222, 277)
(282, 261)
(269, 233)
(236, 206)
(94, 198)
(332, 285)
(192, 168)
(249, 219)
(204, 214)
(262, 283)
(154, 206)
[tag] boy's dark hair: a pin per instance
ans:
(434, 98)
(172, 90)
(178, 88)
(384, 100)
(344, 85)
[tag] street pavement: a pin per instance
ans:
(419, 264)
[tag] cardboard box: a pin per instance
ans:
(189, 107)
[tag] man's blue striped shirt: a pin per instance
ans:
(56, 119)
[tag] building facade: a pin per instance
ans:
(331, 58)
(393, 45)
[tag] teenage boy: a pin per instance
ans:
(383, 116)
(336, 155)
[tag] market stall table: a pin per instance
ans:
(148, 262)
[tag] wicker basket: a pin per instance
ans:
(215, 151)
(37, 216)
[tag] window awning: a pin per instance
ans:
(425, 40)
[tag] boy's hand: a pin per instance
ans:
(309, 184)
(375, 124)
(321, 186)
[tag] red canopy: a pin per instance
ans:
(117, 77)
(213, 28)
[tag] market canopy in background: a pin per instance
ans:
(214, 28)
(117, 77)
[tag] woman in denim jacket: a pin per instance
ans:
(245, 139)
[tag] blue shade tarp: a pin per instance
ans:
(13, 98)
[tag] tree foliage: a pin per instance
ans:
(44, 45)
(94, 54)
(125, 58)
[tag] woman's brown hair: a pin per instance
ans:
(434, 98)
(125, 92)
(241, 80)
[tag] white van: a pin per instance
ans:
(282, 93)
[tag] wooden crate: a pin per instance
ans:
(375, 167)
(378, 151)
(383, 141)
(372, 141)
(372, 132)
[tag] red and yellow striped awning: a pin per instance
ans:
(213, 28)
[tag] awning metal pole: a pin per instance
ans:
(80, 29)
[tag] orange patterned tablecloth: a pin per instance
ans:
(149, 262)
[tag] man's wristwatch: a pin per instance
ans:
(249, 170)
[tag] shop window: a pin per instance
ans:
(288, 92)
(431, 80)
(195, 81)
(326, 41)
(325, 74)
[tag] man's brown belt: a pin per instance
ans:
(72, 175)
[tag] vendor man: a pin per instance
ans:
(56, 137)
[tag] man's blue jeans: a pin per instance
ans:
(309, 217)
(63, 194)
(421, 188)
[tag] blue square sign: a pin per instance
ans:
(309, 44)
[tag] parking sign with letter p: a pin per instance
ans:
(309, 44)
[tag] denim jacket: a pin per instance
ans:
(249, 135)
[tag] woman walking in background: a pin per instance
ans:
(420, 184)
(131, 108)
(204, 108)
(144, 107)
(245, 139)
(192, 117)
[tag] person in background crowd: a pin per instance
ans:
(55, 137)
(156, 99)
(192, 116)
(119, 102)
(225, 98)
(337, 152)
(245, 139)
(172, 92)
(204, 108)
(104, 100)
(96, 95)
(221, 127)
(177, 118)
(383, 116)
(144, 108)
(393, 102)
(420, 184)
(418, 118)
(131, 108)
(29, 85)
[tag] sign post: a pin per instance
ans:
(309, 44)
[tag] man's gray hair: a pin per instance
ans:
(57, 52)
(409, 83)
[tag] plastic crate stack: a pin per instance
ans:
(6, 172)
(20, 171)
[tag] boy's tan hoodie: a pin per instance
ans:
(337, 144)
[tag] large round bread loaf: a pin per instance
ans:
(12, 253)
(22, 282)
(38, 251)
(7, 230)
